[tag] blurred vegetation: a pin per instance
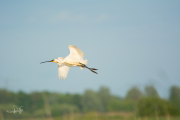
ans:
(99, 103)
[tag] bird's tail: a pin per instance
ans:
(83, 62)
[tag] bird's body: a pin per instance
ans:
(75, 58)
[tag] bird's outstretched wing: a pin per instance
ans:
(63, 71)
(75, 52)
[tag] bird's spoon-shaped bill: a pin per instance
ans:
(46, 61)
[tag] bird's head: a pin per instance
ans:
(54, 60)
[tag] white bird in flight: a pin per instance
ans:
(75, 58)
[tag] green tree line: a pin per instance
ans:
(41, 104)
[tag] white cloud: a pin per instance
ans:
(102, 17)
(68, 17)
(31, 19)
(63, 16)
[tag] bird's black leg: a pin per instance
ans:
(91, 69)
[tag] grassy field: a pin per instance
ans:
(103, 116)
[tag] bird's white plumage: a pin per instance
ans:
(75, 53)
(63, 71)
(73, 59)
(60, 59)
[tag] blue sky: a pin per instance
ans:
(132, 43)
